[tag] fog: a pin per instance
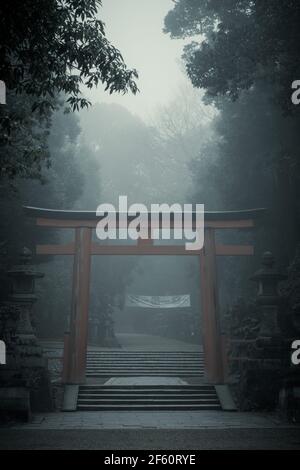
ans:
(135, 27)
(213, 122)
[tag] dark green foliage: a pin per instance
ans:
(243, 42)
(23, 138)
(52, 46)
(59, 185)
(246, 58)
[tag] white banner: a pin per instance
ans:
(158, 301)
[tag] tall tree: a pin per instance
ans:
(50, 48)
(240, 43)
(244, 56)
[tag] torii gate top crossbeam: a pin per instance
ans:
(70, 218)
(88, 219)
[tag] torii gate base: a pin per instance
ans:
(82, 248)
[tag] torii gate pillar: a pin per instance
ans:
(210, 310)
(75, 362)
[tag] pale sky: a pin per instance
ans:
(135, 27)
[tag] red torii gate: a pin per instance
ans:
(82, 248)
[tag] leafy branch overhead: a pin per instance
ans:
(57, 46)
(239, 43)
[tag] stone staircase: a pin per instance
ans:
(147, 397)
(145, 380)
(116, 363)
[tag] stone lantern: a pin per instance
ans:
(23, 276)
(267, 279)
(33, 390)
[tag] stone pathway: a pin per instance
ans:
(145, 381)
(129, 342)
(153, 440)
(153, 420)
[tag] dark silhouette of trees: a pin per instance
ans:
(53, 46)
(241, 43)
(49, 50)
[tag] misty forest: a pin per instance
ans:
(95, 109)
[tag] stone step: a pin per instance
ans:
(103, 362)
(161, 367)
(139, 354)
(144, 366)
(173, 407)
(145, 353)
(145, 358)
(142, 351)
(147, 401)
(142, 372)
(145, 374)
(91, 388)
(166, 357)
(152, 393)
(139, 360)
(149, 396)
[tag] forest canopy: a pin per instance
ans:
(243, 55)
(241, 43)
(50, 50)
(53, 46)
